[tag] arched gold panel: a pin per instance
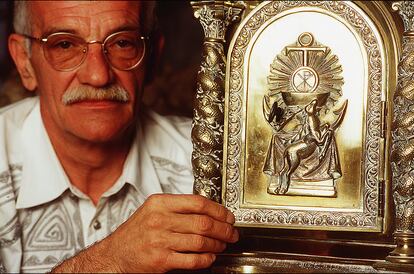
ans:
(321, 164)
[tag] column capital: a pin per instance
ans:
(216, 16)
(406, 11)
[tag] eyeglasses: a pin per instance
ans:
(123, 50)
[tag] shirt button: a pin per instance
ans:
(97, 225)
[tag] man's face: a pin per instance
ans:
(88, 120)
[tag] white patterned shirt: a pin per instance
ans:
(44, 219)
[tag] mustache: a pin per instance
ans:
(84, 92)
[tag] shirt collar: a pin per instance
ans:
(44, 179)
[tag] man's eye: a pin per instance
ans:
(124, 43)
(63, 44)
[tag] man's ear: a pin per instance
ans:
(154, 56)
(22, 61)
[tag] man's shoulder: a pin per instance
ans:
(168, 137)
(170, 129)
(168, 141)
(176, 127)
(16, 113)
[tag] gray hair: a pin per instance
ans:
(22, 18)
(21, 21)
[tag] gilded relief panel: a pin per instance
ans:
(304, 104)
(305, 113)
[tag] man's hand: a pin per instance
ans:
(167, 232)
(174, 232)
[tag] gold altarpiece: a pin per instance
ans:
(304, 128)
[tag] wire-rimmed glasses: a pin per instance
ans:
(123, 50)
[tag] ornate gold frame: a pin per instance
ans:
(390, 176)
(370, 218)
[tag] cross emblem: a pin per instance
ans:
(305, 79)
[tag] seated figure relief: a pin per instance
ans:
(305, 87)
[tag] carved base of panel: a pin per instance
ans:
(394, 267)
(404, 252)
(303, 188)
(305, 252)
(291, 263)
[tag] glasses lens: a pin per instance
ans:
(124, 50)
(64, 51)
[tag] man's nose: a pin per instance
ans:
(95, 70)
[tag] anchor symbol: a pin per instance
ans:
(305, 78)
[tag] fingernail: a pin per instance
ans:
(235, 236)
(230, 218)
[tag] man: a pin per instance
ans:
(83, 155)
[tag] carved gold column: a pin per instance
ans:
(207, 133)
(402, 155)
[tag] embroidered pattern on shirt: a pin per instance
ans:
(10, 229)
(51, 231)
(172, 175)
(166, 164)
(10, 232)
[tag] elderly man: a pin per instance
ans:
(84, 158)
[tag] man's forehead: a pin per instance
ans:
(81, 15)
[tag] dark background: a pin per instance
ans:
(5, 28)
(173, 87)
